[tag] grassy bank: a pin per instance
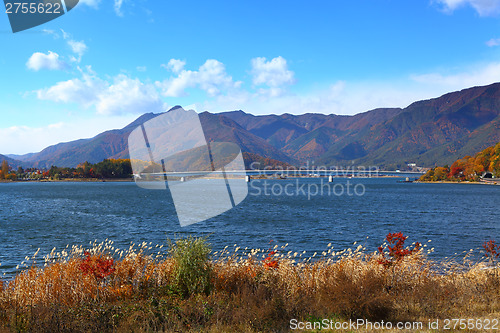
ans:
(186, 287)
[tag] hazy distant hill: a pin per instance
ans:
(13, 163)
(20, 157)
(435, 131)
(109, 144)
(113, 143)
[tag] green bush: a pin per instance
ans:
(192, 271)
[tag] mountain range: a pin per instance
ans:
(12, 162)
(430, 132)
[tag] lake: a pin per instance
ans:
(456, 217)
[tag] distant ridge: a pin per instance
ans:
(114, 143)
(20, 157)
(12, 162)
(430, 132)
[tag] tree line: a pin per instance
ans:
(468, 168)
(107, 169)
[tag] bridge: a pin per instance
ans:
(286, 172)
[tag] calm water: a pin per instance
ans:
(46, 215)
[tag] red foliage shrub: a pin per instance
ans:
(97, 266)
(396, 250)
(269, 261)
(492, 250)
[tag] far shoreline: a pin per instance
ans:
(122, 180)
(71, 180)
(452, 182)
(125, 180)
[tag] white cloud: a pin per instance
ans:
(49, 61)
(128, 95)
(271, 92)
(493, 42)
(56, 125)
(141, 68)
(65, 35)
(52, 60)
(123, 96)
(346, 98)
(176, 86)
(91, 3)
(51, 32)
(483, 7)
(25, 139)
(78, 47)
(273, 73)
(174, 65)
(118, 7)
(475, 76)
(210, 77)
(84, 91)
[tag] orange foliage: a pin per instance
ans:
(468, 168)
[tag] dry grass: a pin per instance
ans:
(247, 294)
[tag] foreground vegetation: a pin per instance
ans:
(188, 288)
(468, 168)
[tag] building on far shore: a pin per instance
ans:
(414, 167)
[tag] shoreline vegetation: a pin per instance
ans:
(185, 287)
(484, 167)
(105, 170)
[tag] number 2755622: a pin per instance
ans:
(33, 8)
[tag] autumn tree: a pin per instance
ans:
(113, 168)
(468, 168)
(483, 159)
(494, 166)
(440, 173)
(457, 169)
(5, 169)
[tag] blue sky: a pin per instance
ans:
(107, 61)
